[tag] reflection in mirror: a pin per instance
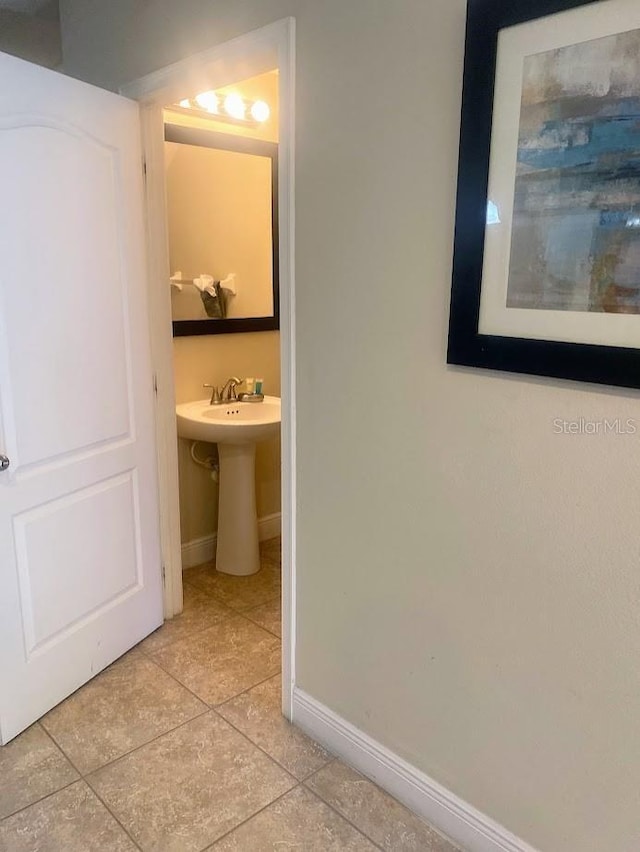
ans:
(223, 231)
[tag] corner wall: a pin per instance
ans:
(467, 579)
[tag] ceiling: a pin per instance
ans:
(40, 8)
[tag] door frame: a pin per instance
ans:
(245, 56)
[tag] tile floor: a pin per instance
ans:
(180, 746)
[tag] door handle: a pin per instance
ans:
(4, 462)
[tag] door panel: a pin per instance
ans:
(54, 603)
(80, 564)
(53, 270)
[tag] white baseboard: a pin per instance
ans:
(465, 825)
(269, 526)
(200, 550)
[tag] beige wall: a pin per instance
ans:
(468, 580)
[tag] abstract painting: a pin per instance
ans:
(546, 258)
(575, 238)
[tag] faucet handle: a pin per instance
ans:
(233, 396)
(216, 397)
(229, 388)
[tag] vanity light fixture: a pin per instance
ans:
(260, 110)
(205, 100)
(230, 107)
(235, 107)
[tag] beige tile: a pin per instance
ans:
(223, 660)
(268, 615)
(200, 611)
(123, 707)
(375, 813)
(271, 549)
(258, 714)
(271, 543)
(31, 767)
(72, 820)
(299, 821)
(186, 789)
(237, 592)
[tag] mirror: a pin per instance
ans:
(222, 218)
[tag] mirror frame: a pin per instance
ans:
(241, 145)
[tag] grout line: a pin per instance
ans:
(212, 711)
(232, 611)
(262, 627)
(151, 654)
(199, 697)
(334, 759)
(260, 748)
(205, 593)
(42, 798)
(180, 683)
(299, 781)
(88, 785)
(335, 809)
(105, 805)
(264, 563)
(249, 608)
(234, 607)
(225, 617)
(260, 606)
(85, 775)
(244, 691)
(58, 746)
(120, 757)
(218, 707)
(206, 708)
(255, 745)
(248, 819)
(46, 731)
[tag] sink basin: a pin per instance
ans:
(235, 427)
(231, 423)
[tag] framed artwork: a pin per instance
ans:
(546, 272)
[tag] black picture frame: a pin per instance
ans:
(600, 364)
(242, 145)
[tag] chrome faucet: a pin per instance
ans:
(216, 396)
(229, 388)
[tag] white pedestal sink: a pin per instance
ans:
(236, 428)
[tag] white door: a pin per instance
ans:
(80, 565)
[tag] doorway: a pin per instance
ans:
(248, 55)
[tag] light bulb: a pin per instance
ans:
(260, 111)
(208, 100)
(234, 105)
(185, 104)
